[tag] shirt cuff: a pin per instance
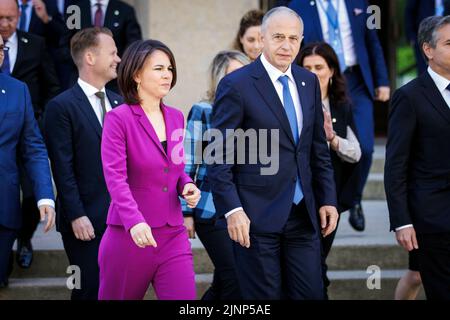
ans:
(229, 213)
(46, 202)
(404, 227)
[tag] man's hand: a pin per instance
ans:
(41, 11)
(191, 194)
(328, 219)
(382, 93)
(239, 228)
(142, 235)
(83, 229)
(189, 224)
(407, 238)
(48, 211)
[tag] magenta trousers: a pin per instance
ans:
(126, 271)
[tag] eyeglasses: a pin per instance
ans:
(3, 48)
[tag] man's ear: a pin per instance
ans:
(90, 57)
(427, 50)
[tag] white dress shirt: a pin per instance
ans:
(441, 84)
(104, 4)
(345, 28)
(95, 102)
(12, 44)
(274, 75)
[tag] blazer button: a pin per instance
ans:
(166, 170)
(165, 189)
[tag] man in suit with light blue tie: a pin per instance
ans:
(19, 137)
(277, 219)
(343, 24)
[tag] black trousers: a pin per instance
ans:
(434, 258)
(7, 238)
(282, 265)
(327, 243)
(84, 254)
(219, 246)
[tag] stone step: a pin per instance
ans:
(345, 285)
(377, 165)
(374, 189)
(54, 263)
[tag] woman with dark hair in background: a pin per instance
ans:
(248, 38)
(214, 236)
(340, 130)
(145, 241)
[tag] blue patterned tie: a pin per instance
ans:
(23, 17)
(5, 65)
(289, 107)
(334, 34)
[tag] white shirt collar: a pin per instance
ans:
(13, 39)
(273, 72)
(104, 3)
(88, 89)
(441, 82)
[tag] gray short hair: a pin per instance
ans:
(428, 31)
(218, 69)
(275, 11)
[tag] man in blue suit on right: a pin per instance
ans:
(275, 218)
(343, 24)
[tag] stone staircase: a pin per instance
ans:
(352, 254)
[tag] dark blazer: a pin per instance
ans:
(415, 12)
(417, 170)
(367, 45)
(120, 18)
(346, 174)
(19, 128)
(247, 99)
(34, 67)
(73, 135)
(51, 31)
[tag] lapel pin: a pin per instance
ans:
(24, 40)
(116, 24)
(312, 3)
(3, 91)
(116, 12)
(357, 11)
(115, 102)
(334, 120)
(303, 83)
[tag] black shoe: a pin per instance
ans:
(356, 218)
(24, 253)
(3, 284)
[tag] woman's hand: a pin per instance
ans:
(328, 126)
(142, 235)
(189, 224)
(191, 194)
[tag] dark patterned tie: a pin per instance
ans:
(98, 19)
(6, 64)
(101, 96)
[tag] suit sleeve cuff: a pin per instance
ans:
(229, 213)
(404, 227)
(46, 202)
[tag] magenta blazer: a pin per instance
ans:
(144, 182)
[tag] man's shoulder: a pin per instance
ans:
(29, 38)
(10, 83)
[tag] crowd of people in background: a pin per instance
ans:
(92, 102)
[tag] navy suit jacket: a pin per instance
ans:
(247, 99)
(415, 12)
(52, 31)
(367, 45)
(19, 137)
(73, 136)
(417, 169)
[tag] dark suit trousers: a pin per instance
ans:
(7, 238)
(219, 246)
(30, 211)
(84, 254)
(434, 259)
(282, 265)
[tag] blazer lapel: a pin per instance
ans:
(3, 98)
(170, 127)
(265, 87)
(431, 92)
(148, 128)
(304, 89)
(111, 15)
(86, 109)
(22, 51)
(112, 100)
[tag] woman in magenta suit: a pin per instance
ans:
(145, 241)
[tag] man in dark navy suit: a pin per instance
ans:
(417, 170)
(275, 218)
(343, 24)
(19, 138)
(73, 129)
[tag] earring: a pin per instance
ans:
(331, 81)
(138, 86)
